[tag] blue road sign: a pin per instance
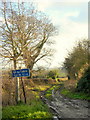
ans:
(21, 73)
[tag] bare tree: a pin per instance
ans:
(25, 34)
(9, 47)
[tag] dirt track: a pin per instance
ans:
(68, 108)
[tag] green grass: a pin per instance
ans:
(36, 110)
(67, 93)
(75, 95)
(48, 94)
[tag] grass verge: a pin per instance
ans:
(37, 110)
(75, 95)
(48, 94)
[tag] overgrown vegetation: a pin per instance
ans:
(75, 95)
(78, 89)
(36, 110)
(78, 67)
(48, 94)
(84, 82)
(77, 60)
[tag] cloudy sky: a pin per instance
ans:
(72, 21)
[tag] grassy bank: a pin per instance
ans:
(35, 109)
(69, 90)
(66, 91)
(75, 95)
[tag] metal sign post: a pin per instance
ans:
(17, 89)
(19, 74)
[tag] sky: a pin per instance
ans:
(72, 21)
(71, 18)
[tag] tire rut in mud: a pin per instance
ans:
(64, 108)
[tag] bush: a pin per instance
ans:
(84, 83)
(52, 74)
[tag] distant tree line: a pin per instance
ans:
(50, 73)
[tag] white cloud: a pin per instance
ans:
(70, 31)
(43, 5)
(74, 14)
(58, 17)
(65, 41)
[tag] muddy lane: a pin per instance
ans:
(64, 108)
(70, 108)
